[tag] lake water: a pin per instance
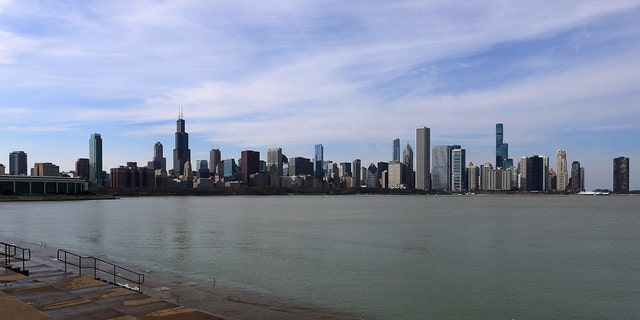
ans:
(380, 257)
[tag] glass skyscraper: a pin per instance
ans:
(95, 160)
(441, 171)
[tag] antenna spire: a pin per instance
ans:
(181, 113)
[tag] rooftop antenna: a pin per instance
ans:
(181, 113)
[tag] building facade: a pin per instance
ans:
(318, 164)
(423, 158)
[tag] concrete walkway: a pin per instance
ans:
(49, 293)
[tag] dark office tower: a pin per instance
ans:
(182, 153)
(95, 160)
(423, 158)
(535, 173)
(621, 175)
(319, 157)
(18, 163)
(250, 164)
(576, 177)
(396, 150)
(299, 166)
(502, 149)
(82, 168)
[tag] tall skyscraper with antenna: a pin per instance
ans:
(181, 153)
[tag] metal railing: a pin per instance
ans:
(113, 273)
(12, 251)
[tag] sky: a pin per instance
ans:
(351, 75)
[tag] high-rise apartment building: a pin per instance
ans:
(95, 160)
(181, 153)
(274, 161)
(18, 163)
(621, 175)
(396, 150)
(576, 177)
(318, 165)
(502, 149)
(423, 158)
(562, 174)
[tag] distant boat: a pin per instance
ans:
(594, 193)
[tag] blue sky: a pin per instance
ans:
(350, 75)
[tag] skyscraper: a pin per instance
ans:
(423, 158)
(502, 149)
(441, 171)
(355, 169)
(562, 175)
(181, 153)
(18, 163)
(95, 160)
(319, 157)
(215, 163)
(396, 150)
(621, 175)
(458, 170)
(159, 162)
(82, 168)
(274, 161)
(250, 164)
(407, 160)
(576, 177)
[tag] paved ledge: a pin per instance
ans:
(52, 294)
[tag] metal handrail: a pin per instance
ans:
(102, 266)
(11, 251)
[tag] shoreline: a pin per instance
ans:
(214, 297)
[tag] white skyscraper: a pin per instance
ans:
(423, 158)
(562, 174)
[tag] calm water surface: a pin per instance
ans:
(383, 257)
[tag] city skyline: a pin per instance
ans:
(294, 74)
